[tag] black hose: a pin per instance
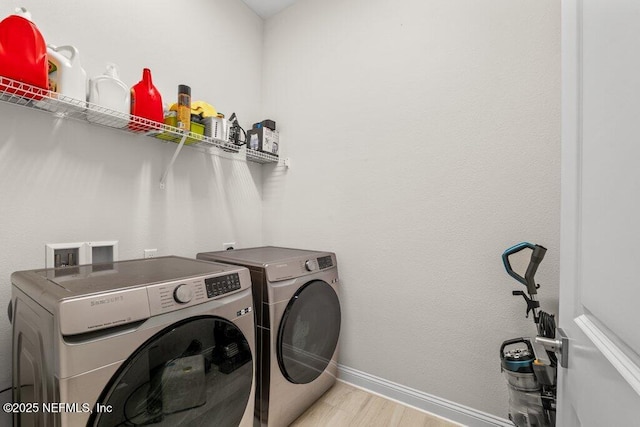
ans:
(547, 329)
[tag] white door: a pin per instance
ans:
(600, 241)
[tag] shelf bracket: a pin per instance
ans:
(163, 179)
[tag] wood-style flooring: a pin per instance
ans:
(344, 405)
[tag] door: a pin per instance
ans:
(195, 372)
(600, 241)
(308, 333)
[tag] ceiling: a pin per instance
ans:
(267, 8)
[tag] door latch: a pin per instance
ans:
(560, 346)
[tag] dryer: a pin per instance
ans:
(298, 319)
(165, 341)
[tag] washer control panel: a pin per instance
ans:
(170, 296)
(222, 284)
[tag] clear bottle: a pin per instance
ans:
(184, 108)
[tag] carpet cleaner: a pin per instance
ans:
(531, 378)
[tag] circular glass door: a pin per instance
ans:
(308, 333)
(196, 372)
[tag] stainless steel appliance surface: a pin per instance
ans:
(298, 325)
(164, 341)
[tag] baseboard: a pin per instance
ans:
(441, 407)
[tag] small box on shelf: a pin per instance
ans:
(263, 139)
(197, 132)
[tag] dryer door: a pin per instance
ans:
(195, 372)
(308, 334)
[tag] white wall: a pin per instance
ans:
(425, 140)
(64, 181)
(424, 137)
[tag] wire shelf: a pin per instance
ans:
(25, 95)
(260, 157)
(15, 92)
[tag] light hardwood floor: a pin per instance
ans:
(345, 406)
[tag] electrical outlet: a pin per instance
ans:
(229, 246)
(150, 253)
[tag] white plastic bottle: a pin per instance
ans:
(66, 75)
(108, 92)
(67, 79)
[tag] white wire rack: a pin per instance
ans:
(19, 93)
(260, 157)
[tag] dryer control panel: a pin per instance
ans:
(325, 262)
(300, 267)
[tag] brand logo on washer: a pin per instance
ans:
(107, 300)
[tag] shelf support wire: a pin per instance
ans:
(163, 179)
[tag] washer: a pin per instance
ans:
(298, 324)
(165, 341)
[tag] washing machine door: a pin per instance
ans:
(308, 333)
(197, 372)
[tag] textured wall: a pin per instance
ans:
(425, 140)
(424, 137)
(64, 181)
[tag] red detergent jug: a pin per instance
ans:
(23, 55)
(146, 102)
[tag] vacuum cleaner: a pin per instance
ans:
(531, 377)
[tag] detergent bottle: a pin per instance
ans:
(146, 102)
(67, 79)
(109, 92)
(23, 55)
(66, 75)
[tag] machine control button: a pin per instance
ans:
(310, 265)
(183, 293)
(220, 285)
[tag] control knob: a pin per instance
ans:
(310, 265)
(182, 294)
